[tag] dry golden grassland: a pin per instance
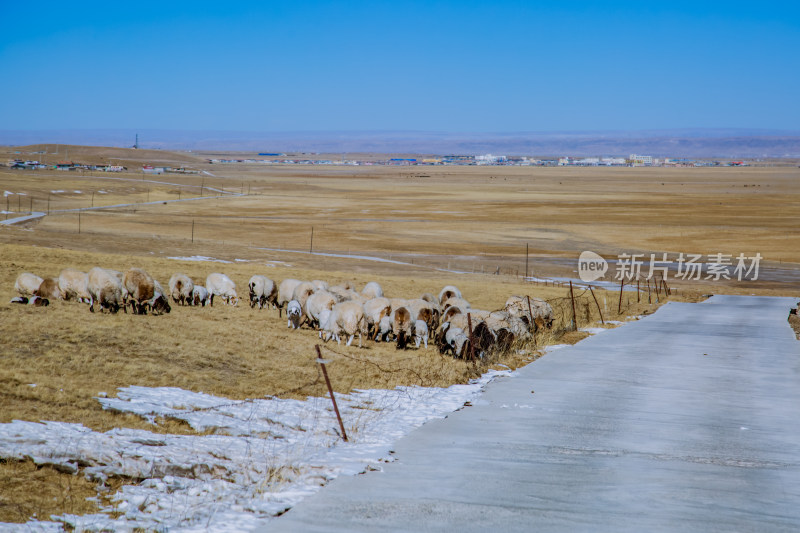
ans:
(474, 220)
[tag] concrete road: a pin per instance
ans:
(688, 420)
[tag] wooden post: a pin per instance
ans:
(202, 185)
(471, 341)
(648, 291)
(330, 391)
(598, 305)
(31, 208)
(526, 262)
(179, 193)
(637, 290)
(48, 203)
(621, 284)
(92, 198)
(574, 314)
(311, 246)
(79, 221)
(192, 230)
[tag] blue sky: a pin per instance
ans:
(428, 66)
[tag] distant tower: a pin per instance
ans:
(136, 143)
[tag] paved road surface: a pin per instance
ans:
(688, 420)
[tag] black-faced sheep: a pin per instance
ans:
(263, 291)
(141, 289)
(199, 295)
(35, 301)
(181, 288)
(105, 289)
(221, 285)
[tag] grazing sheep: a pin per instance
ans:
(285, 292)
(221, 285)
(105, 289)
(372, 290)
(27, 283)
(141, 289)
(346, 318)
(343, 294)
(35, 301)
(383, 329)
(502, 319)
(428, 297)
(181, 287)
(158, 303)
(456, 302)
(543, 316)
(423, 310)
(73, 285)
(316, 304)
(448, 292)
(319, 285)
(294, 314)
(457, 342)
(48, 289)
(374, 310)
(420, 332)
(302, 292)
(401, 326)
(450, 312)
(199, 295)
(262, 291)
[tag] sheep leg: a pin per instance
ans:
(350, 340)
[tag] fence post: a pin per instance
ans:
(637, 290)
(471, 340)
(321, 362)
(598, 306)
(621, 284)
(574, 314)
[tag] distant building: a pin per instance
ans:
(644, 160)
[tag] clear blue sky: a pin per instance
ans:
(444, 66)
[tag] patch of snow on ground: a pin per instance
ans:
(199, 258)
(8, 193)
(58, 191)
(78, 192)
(593, 331)
(265, 456)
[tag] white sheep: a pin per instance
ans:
(346, 318)
(319, 285)
(372, 290)
(447, 292)
(374, 310)
(159, 303)
(384, 329)
(402, 324)
(262, 291)
(105, 289)
(302, 292)
(542, 311)
(221, 285)
(316, 303)
(199, 295)
(420, 332)
(286, 290)
(73, 285)
(294, 314)
(181, 287)
(27, 283)
(456, 340)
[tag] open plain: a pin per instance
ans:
(413, 229)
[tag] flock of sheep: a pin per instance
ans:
(338, 312)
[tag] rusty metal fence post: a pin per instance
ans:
(321, 362)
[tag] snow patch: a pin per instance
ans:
(265, 455)
(199, 258)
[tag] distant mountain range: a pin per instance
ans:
(689, 143)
